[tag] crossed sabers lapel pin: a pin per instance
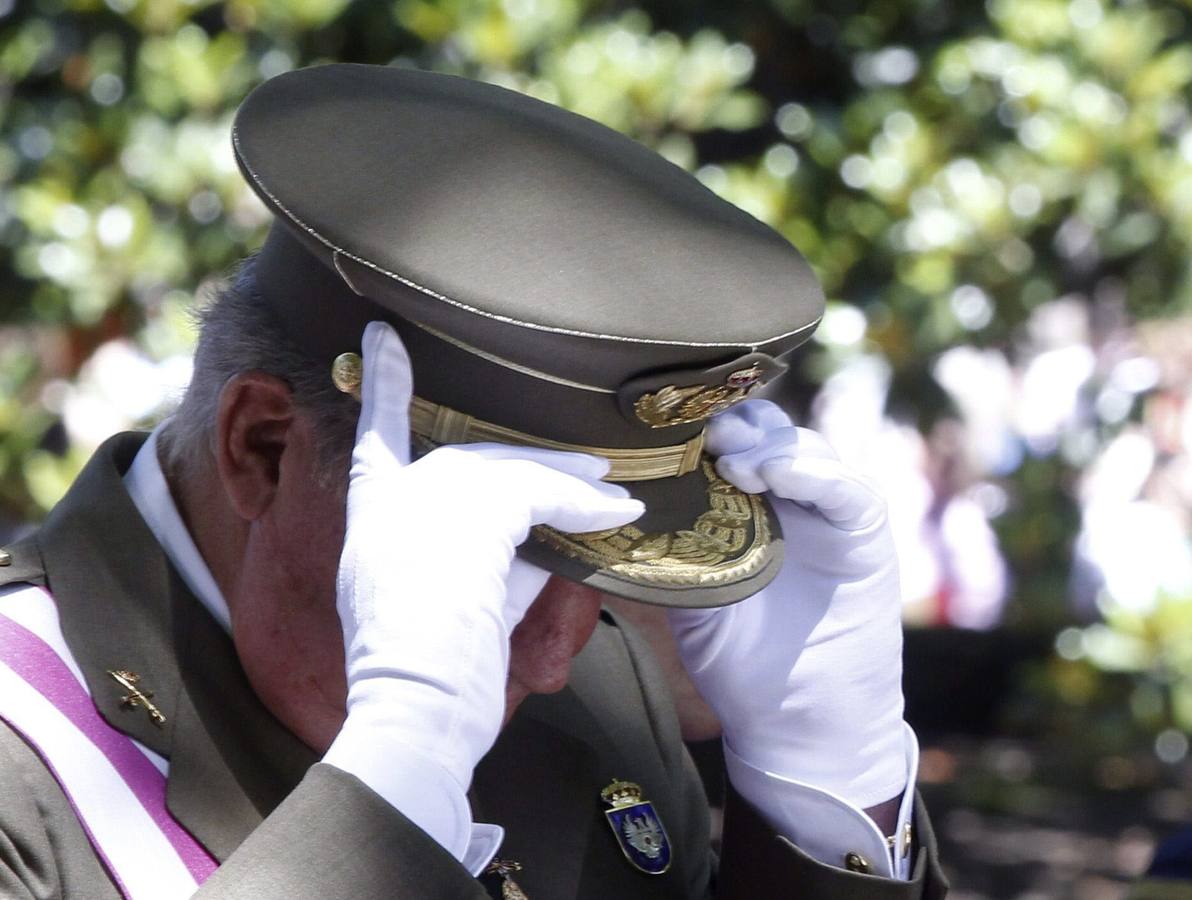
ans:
(135, 696)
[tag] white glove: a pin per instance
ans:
(806, 675)
(422, 596)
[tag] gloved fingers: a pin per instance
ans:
(520, 480)
(534, 487)
(741, 469)
(581, 465)
(743, 426)
(596, 516)
(812, 443)
(580, 507)
(844, 498)
(384, 425)
(523, 584)
(562, 500)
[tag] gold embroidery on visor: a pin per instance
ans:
(723, 545)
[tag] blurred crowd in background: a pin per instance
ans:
(997, 198)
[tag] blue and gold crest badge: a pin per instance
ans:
(637, 828)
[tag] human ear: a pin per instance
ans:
(254, 425)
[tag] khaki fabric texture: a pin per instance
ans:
(284, 826)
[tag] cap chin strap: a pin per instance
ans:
(443, 425)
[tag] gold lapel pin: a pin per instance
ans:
(135, 696)
(505, 868)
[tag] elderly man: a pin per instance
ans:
(284, 646)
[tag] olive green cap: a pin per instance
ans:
(556, 284)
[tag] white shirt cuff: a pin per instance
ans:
(420, 789)
(824, 825)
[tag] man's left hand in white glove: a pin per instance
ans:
(806, 675)
(429, 594)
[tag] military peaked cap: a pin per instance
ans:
(556, 283)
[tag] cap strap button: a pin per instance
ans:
(855, 862)
(347, 373)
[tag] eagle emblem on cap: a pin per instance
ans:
(673, 405)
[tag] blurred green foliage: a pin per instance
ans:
(913, 149)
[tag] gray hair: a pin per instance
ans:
(238, 333)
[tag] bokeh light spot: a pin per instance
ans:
(793, 120)
(107, 89)
(856, 171)
(971, 306)
(781, 161)
(115, 226)
(1171, 746)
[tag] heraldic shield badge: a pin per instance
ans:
(637, 828)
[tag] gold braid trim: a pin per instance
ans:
(442, 425)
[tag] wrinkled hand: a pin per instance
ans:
(805, 676)
(422, 586)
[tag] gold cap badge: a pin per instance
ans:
(673, 405)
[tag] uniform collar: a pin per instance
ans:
(123, 606)
(150, 494)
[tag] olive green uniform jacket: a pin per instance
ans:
(283, 825)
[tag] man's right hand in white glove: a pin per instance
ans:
(428, 592)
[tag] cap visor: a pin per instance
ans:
(700, 543)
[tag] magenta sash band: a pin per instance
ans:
(39, 665)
